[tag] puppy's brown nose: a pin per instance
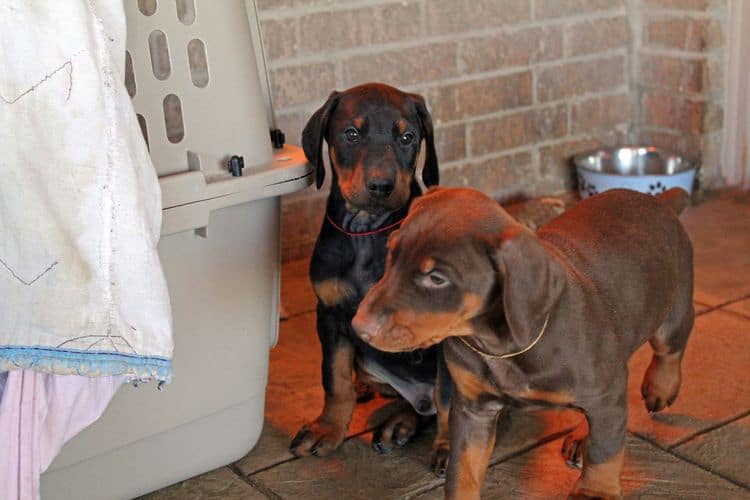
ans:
(380, 188)
(365, 325)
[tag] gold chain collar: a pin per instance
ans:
(511, 354)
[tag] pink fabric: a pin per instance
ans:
(39, 413)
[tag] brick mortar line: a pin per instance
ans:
(377, 48)
(338, 72)
(276, 13)
(647, 127)
(702, 57)
(571, 101)
(634, 63)
(695, 97)
(690, 96)
(536, 169)
(494, 155)
(423, 18)
(433, 84)
(690, 55)
(534, 86)
(543, 65)
(468, 143)
(665, 13)
(529, 148)
(525, 148)
(300, 11)
(470, 159)
(687, 460)
(373, 50)
(650, 127)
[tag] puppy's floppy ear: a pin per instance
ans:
(532, 281)
(430, 174)
(313, 135)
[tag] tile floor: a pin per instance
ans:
(698, 448)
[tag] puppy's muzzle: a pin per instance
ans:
(365, 325)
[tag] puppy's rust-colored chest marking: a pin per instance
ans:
(470, 385)
(557, 398)
(333, 291)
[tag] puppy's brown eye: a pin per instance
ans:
(352, 134)
(406, 138)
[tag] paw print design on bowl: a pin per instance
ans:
(656, 188)
(587, 188)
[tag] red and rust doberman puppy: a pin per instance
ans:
(547, 318)
(374, 133)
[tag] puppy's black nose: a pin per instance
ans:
(380, 187)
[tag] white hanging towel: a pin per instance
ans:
(81, 287)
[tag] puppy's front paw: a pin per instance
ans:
(396, 431)
(318, 438)
(440, 457)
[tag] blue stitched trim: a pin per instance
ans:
(86, 363)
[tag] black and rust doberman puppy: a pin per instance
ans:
(374, 133)
(546, 318)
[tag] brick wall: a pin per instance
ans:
(678, 80)
(514, 86)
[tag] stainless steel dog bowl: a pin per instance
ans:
(642, 168)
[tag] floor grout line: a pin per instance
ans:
(271, 466)
(293, 458)
(724, 304)
(735, 313)
(256, 485)
(298, 314)
(708, 429)
(504, 458)
(690, 461)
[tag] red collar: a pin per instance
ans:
(365, 233)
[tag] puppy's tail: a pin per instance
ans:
(676, 199)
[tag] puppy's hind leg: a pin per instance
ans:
(661, 383)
